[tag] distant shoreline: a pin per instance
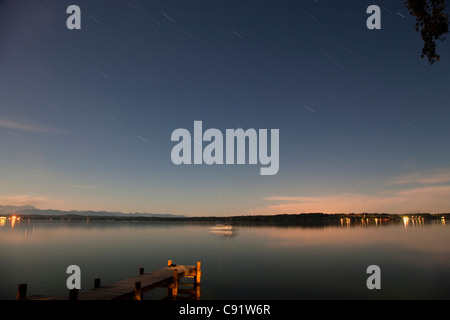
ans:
(281, 219)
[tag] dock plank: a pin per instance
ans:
(125, 287)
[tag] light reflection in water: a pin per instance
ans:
(415, 221)
(223, 233)
(345, 222)
(405, 221)
(13, 220)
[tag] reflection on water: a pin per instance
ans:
(416, 221)
(345, 222)
(12, 220)
(239, 263)
(224, 233)
(223, 230)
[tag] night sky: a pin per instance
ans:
(86, 116)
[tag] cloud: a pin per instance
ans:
(25, 125)
(77, 186)
(24, 199)
(433, 199)
(424, 191)
(436, 176)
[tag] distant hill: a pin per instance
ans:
(8, 210)
(32, 211)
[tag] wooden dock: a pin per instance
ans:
(134, 287)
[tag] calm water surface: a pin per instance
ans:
(250, 263)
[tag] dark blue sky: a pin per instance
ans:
(86, 115)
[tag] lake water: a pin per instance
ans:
(281, 263)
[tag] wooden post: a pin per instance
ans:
(175, 283)
(141, 271)
(197, 292)
(137, 291)
(73, 294)
(198, 274)
(21, 291)
(97, 282)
